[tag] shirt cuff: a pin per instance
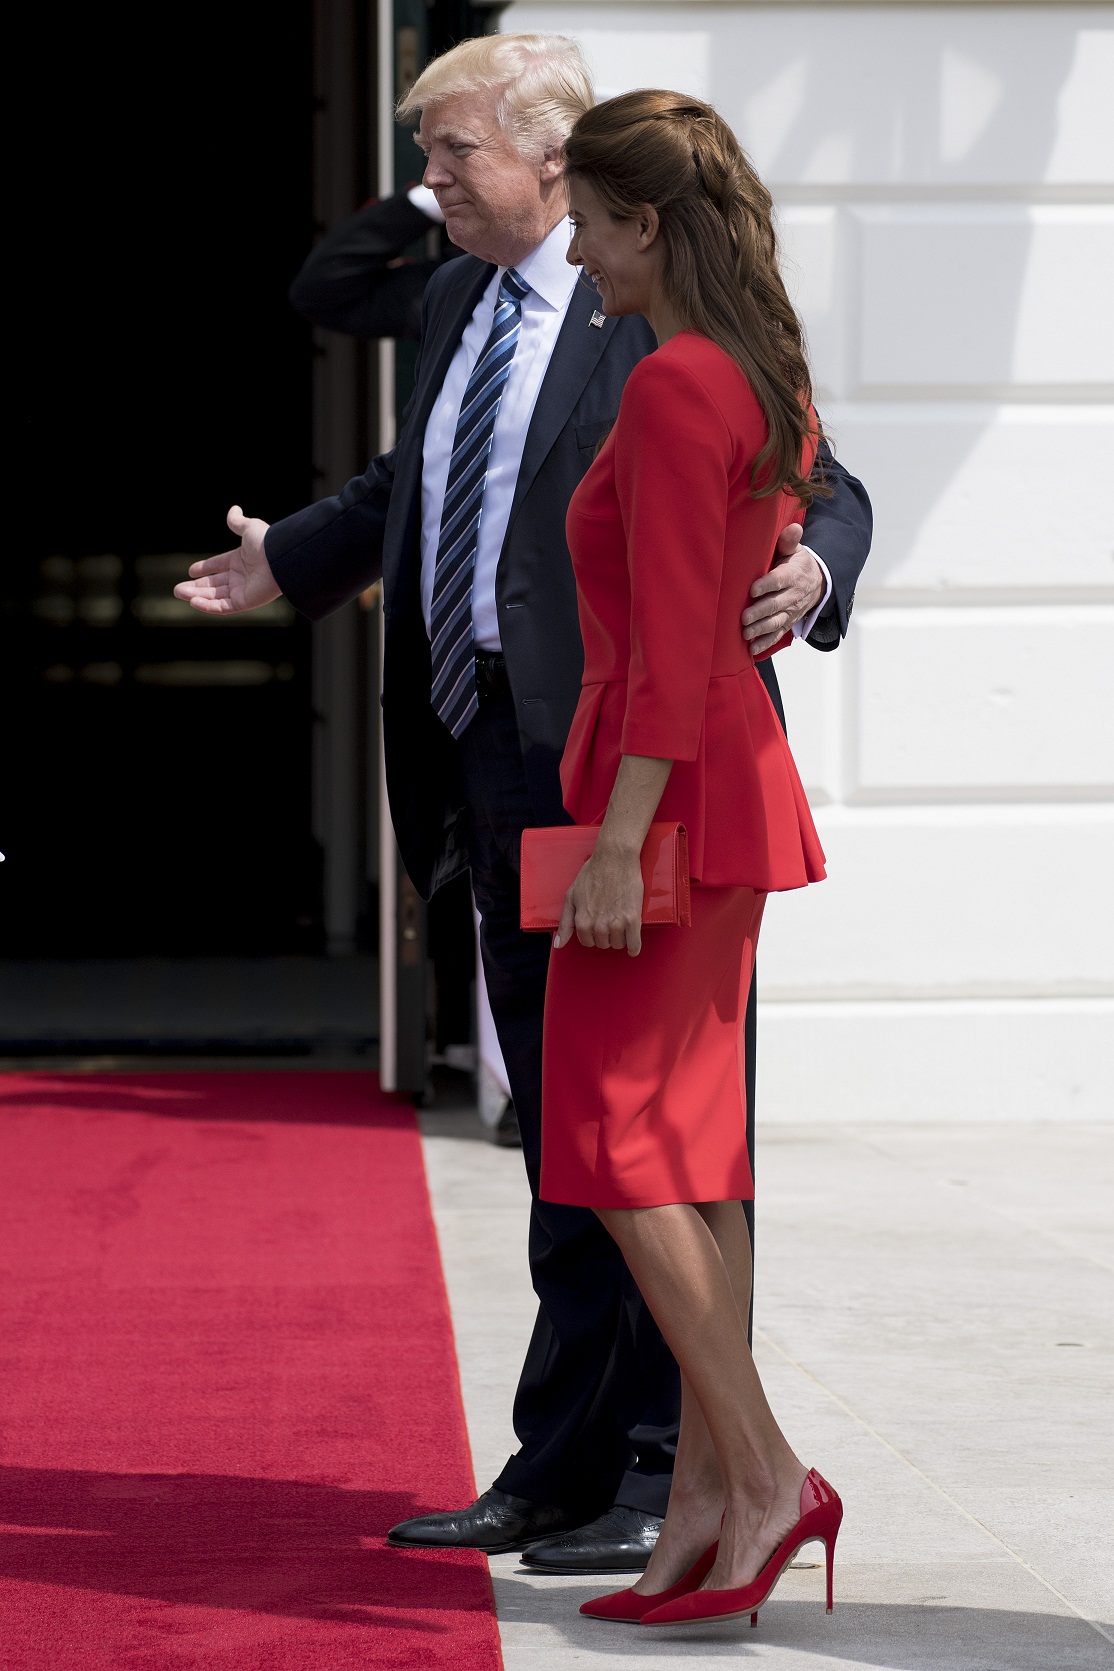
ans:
(422, 198)
(804, 626)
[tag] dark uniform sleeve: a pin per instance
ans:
(347, 283)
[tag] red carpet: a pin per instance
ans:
(226, 1367)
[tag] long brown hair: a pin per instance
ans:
(720, 272)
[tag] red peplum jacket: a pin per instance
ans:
(667, 540)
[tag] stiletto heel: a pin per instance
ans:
(628, 1607)
(821, 1515)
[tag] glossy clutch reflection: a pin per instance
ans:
(552, 857)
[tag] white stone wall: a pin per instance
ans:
(945, 179)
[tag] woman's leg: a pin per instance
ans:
(696, 1502)
(675, 1256)
(696, 1499)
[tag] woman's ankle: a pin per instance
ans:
(772, 1501)
(695, 1492)
(685, 1535)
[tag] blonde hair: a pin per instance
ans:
(543, 80)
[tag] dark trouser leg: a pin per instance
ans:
(452, 951)
(653, 1427)
(598, 1381)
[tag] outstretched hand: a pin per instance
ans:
(784, 596)
(234, 580)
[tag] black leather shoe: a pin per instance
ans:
(622, 1540)
(495, 1523)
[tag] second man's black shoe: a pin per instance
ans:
(622, 1540)
(495, 1523)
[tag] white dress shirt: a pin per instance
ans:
(551, 282)
(804, 626)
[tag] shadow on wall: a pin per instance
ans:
(921, 160)
(931, 274)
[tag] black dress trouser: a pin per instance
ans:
(598, 1401)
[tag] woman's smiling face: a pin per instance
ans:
(621, 257)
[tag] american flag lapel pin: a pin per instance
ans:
(597, 320)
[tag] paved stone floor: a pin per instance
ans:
(935, 1327)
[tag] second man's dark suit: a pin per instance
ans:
(596, 1408)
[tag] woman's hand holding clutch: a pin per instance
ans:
(603, 908)
(604, 905)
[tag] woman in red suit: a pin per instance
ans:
(644, 1100)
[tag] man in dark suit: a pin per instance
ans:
(518, 379)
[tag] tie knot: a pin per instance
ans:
(513, 288)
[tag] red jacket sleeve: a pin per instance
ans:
(673, 456)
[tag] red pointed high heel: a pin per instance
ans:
(628, 1607)
(821, 1514)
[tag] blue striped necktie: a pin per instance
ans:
(450, 626)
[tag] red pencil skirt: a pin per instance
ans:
(643, 1086)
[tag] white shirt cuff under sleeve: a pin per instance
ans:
(422, 198)
(804, 626)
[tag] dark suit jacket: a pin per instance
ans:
(324, 556)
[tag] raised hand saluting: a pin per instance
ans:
(233, 580)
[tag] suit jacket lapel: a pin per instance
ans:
(574, 359)
(443, 339)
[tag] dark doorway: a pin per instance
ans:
(187, 802)
(158, 785)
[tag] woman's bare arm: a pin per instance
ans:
(604, 905)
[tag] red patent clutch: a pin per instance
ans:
(552, 858)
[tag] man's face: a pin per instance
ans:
(496, 204)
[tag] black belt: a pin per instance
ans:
(491, 674)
